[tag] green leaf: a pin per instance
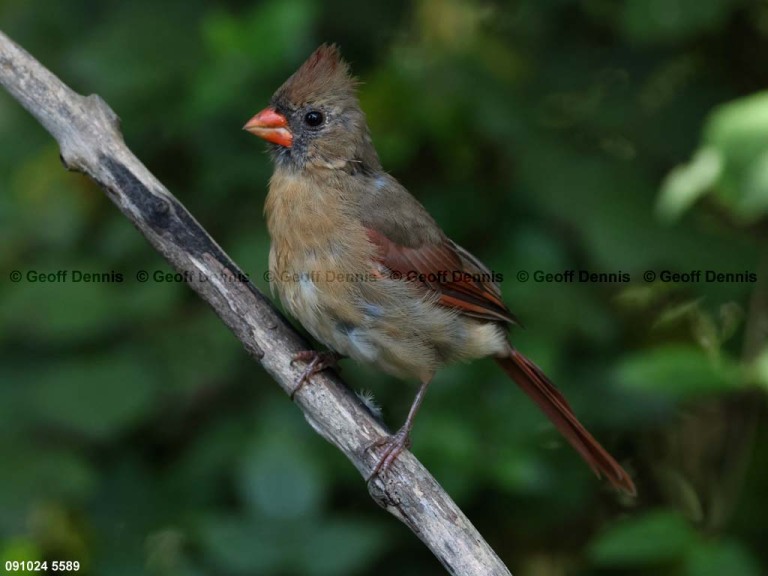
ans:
(677, 313)
(334, 547)
(19, 550)
(54, 301)
(689, 182)
(279, 480)
(657, 21)
(731, 318)
(341, 546)
(755, 194)
(96, 396)
(739, 131)
(760, 369)
(739, 128)
(656, 537)
(676, 371)
(197, 351)
(33, 473)
(243, 546)
(259, 41)
(719, 558)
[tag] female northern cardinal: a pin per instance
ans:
(367, 271)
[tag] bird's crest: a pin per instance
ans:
(323, 74)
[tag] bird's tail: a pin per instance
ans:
(541, 390)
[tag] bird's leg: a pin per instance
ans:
(316, 362)
(395, 444)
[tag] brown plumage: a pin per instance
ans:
(367, 271)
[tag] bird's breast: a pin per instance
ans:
(319, 251)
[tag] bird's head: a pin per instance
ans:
(314, 119)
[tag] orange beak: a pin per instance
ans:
(272, 126)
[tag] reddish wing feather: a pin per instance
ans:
(458, 278)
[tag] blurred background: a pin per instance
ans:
(137, 437)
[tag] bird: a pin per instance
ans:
(368, 272)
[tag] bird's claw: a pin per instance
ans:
(393, 446)
(316, 362)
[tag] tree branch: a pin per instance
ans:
(88, 133)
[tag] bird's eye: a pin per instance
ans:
(313, 118)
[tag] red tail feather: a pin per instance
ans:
(541, 390)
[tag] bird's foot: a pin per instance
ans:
(316, 362)
(393, 446)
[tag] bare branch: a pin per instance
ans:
(88, 134)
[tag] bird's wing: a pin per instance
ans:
(411, 245)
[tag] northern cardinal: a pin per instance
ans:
(368, 272)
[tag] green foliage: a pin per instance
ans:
(665, 543)
(662, 21)
(654, 538)
(732, 163)
(136, 436)
(676, 371)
